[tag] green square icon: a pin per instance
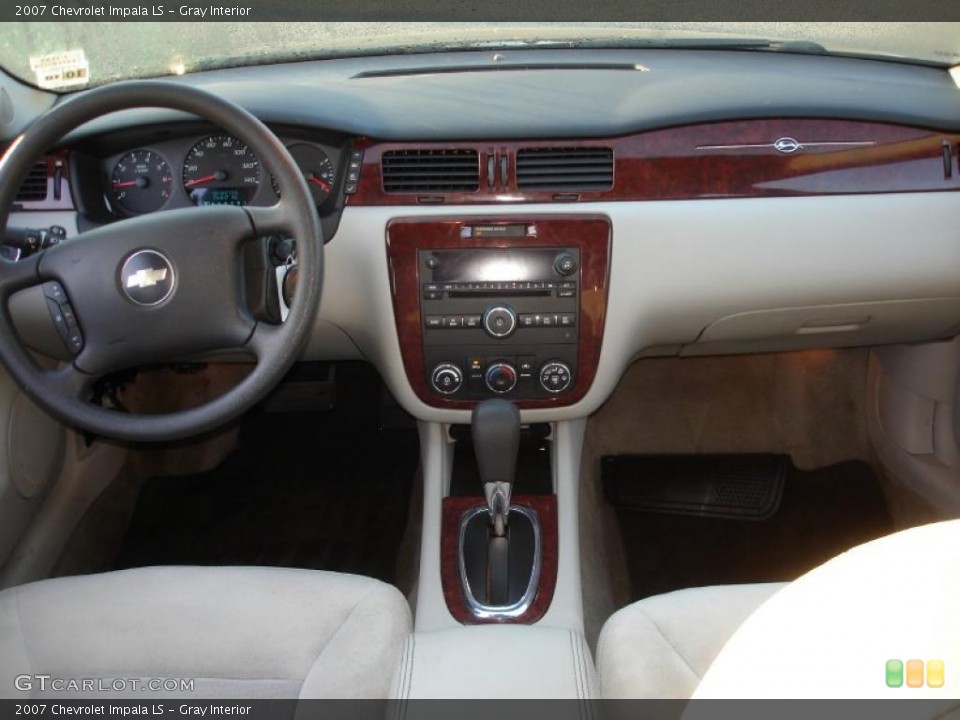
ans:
(894, 673)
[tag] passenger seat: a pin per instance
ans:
(661, 647)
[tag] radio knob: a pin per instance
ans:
(500, 321)
(565, 264)
(555, 377)
(446, 378)
(501, 377)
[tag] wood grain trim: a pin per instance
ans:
(667, 164)
(453, 509)
(590, 233)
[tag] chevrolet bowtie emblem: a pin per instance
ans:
(146, 278)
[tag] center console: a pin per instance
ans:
(510, 307)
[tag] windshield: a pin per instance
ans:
(138, 50)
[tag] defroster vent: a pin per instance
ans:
(565, 169)
(34, 188)
(431, 171)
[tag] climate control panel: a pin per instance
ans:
(500, 322)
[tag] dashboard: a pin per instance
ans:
(708, 203)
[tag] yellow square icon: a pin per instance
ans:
(935, 673)
(914, 673)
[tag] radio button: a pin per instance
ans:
(501, 377)
(472, 321)
(433, 322)
(453, 322)
(548, 321)
(446, 378)
(567, 320)
(499, 321)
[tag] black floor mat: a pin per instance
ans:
(311, 490)
(821, 514)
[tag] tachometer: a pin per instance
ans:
(141, 181)
(221, 170)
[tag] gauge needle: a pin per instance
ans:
(204, 179)
(128, 183)
(319, 183)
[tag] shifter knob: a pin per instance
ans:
(496, 440)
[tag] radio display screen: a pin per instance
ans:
(494, 265)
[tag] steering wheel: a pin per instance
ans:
(162, 286)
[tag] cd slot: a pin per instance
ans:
(498, 293)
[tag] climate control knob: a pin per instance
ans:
(500, 321)
(446, 378)
(555, 377)
(501, 377)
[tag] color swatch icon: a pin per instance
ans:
(912, 673)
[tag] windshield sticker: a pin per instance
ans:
(60, 70)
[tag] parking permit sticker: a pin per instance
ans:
(62, 69)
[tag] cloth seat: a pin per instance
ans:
(235, 632)
(661, 647)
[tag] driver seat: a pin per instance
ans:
(237, 632)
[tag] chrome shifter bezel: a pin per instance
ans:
(504, 612)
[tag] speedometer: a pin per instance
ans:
(221, 170)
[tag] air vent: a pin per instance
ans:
(34, 188)
(565, 169)
(431, 171)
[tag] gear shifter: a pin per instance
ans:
(496, 442)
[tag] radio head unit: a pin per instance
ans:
(510, 308)
(500, 322)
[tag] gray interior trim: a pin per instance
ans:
(912, 395)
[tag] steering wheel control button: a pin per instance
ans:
(147, 278)
(65, 320)
(446, 378)
(555, 377)
(499, 321)
(54, 291)
(565, 264)
(501, 378)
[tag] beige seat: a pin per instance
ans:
(662, 646)
(878, 621)
(237, 632)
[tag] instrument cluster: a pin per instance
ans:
(213, 169)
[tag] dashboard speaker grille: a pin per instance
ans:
(565, 169)
(34, 188)
(429, 171)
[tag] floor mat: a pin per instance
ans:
(821, 514)
(324, 491)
